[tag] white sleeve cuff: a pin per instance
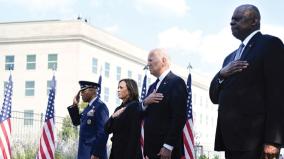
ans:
(169, 147)
(143, 106)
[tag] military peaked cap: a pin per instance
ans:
(88, 84)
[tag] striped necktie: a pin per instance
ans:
(239, 52)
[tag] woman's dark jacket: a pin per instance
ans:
(126, 130)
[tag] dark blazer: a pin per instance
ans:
(126, 132)
(164, 121)
(251, 102)
(92, 138)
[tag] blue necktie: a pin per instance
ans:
(153, 86)
(239, 52)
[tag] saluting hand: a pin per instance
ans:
(154, 97)
(118, 112)
(233, 67)
(76, 99)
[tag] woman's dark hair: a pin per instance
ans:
(132, 87)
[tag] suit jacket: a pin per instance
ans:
(92, 138)
(164, 121)
(126, 132)
(251, 102)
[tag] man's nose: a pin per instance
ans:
(232, 22)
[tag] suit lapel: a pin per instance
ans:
(164, 83)
(95, 103)
(250, 45)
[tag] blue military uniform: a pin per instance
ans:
(92, 138)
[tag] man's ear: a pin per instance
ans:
(254, 22)
(164, 60)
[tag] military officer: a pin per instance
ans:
(92, 138)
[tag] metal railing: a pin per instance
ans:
(27, 130)
(26, 133)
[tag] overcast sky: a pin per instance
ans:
(192, 31)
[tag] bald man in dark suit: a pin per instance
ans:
(165, 110)
(249, 91)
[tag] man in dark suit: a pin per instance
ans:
(92, 138)
(249, 91)
(165, 110)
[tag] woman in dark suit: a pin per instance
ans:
(124, 123)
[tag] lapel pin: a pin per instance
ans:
(89, 121)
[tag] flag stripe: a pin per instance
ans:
(5, 123)
(47, 140)
(142, 138)
(3, 152)
(188, 138)
(5, 136)
(142, 97)
(41, 153)
(8, 127)
(188, 145)
(44, 148)
(49, 129)
(189, 125)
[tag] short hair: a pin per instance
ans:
(254, 13)
(132, 87)
(162, 53)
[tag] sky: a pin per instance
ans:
(192, 31)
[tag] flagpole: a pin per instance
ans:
(189, 67)
(101, 70)
(48, 128)
(188, 137)
(143, 95)
(10, 71)
(146, 68)
(53, 69)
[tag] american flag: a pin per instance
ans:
(188, 139)
(5, 122)
(144, 85)
(100, 88)
(143, 95)
(47, 141)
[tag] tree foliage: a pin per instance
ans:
(68, 131)
(203, 157)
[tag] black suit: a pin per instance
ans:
(165, 120)
(251, 102)
(126, 132)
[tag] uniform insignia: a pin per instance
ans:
(89, 121)
(91, 112)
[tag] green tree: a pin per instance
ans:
(203, 157)
(67, 142)
(68, 131)
(216, 157)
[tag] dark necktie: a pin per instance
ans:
(153, 86)
(239, 52)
